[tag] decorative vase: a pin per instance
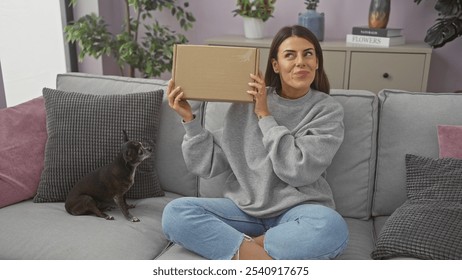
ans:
(379, 12)
(314, 21)
(253, 28)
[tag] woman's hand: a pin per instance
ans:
(177, 103)
(259, 95)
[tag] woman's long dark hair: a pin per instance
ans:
(321, 82)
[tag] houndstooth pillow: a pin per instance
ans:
(429, 224)
(85, 133)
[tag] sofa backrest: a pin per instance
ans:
(351, 174)
(214, 113)
(172, 172)
(408, 124)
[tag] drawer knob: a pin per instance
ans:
(386, 75)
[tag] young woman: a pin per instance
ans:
(277, 203)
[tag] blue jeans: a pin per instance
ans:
(214, 228)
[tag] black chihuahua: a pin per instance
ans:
(94, 192)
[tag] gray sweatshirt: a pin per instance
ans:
(277, 162)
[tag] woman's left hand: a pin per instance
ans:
(258, 93)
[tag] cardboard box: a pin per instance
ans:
(215, 73)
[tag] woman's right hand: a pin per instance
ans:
(177, 103)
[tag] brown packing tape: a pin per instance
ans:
(215, 73)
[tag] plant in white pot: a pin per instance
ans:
(254, 14)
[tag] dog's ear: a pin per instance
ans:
(125, 135)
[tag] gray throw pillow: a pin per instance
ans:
(85, 133)
(429, 224)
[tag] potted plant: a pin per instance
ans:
(313, 20)
(254, 14)
(311, 4)
(151, 54)
(448, 25)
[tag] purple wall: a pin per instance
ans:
(214, 18)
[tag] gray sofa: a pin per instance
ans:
(367, 176)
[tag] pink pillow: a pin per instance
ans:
(23, 137)
(450, 141)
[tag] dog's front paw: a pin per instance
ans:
(135, 219)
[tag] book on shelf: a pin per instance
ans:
(374, 41)
(379, 32)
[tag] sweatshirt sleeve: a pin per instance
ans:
(300, 158)
(202, 151)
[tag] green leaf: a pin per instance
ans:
(151, 54)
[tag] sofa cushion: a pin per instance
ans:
(23, 137)
(171, 168)
(450, 141)
(45, 231)
(361, 240)
(351, 174)
(85, 133)
(408, 125)
(429, 223)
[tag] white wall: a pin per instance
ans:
(32, 48)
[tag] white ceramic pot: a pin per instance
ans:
(253, 28)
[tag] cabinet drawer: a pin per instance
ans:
(377, 71)
(334, 66)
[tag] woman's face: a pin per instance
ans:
(296, 65)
